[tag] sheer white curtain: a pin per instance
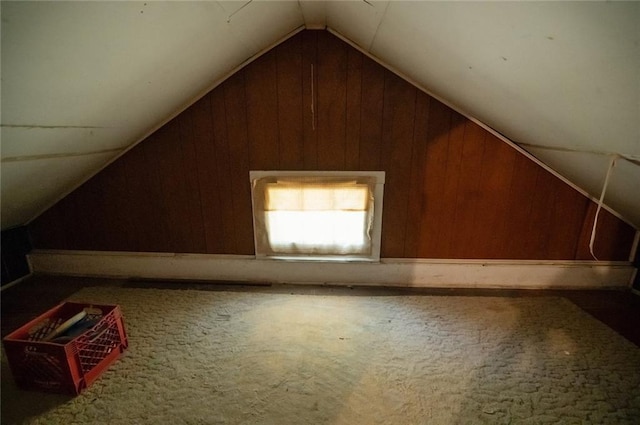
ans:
(313, 215)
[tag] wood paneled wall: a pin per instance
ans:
(453, 190)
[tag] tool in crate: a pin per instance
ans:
(76, 325)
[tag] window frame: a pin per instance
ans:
(376, 227)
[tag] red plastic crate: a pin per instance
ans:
(65, 367)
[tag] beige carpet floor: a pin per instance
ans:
(201, 357)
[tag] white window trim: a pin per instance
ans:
(376, 229)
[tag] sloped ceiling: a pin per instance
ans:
(83, 81)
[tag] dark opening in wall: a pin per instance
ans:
(16, 244)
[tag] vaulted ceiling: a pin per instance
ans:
(84, 81)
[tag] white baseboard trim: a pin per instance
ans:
(390, 272)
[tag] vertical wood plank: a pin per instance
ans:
(523, 185)
(495, 182)
(118, 228)
(416, 179)
(262, 112)
(72, 219)
(468, 195)
(206, 163)
(354, 97)
(149, 211)
(397, 138)
(88, 227)
(168, 157)
(502, 180)
(106, 213)
(332, 100)
(290, 119)
(309, 96)
(447, 225)
(371, 115)
(537, 236)
(83, 233)
(193, 205)
(223, 168)
(435, 172)
(235, 104)
(570, 208)
(130, 200)
(153, 153)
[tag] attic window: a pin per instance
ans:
(317, 215)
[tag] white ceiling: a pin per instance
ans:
(82, 81)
